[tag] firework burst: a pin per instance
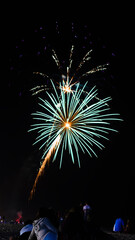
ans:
(68, 84)
(79, 123)
(69, 120)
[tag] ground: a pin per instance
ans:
(7, 230)
(120, 236)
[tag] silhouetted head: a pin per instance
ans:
(29, 221)
(42, 212)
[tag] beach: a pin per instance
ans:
(7, 230)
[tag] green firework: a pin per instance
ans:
(80, 123)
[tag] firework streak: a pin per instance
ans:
(46, 160)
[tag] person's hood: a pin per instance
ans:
(26, 228)
(37, 221)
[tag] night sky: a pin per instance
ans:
(107, 182)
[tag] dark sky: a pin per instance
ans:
(106, 182)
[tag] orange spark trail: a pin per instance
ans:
(47, 158)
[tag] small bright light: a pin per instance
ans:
(58, 105)
(67, 125)
(67, 88)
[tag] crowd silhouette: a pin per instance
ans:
(77, 223)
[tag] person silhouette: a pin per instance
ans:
(119, 225)
(43, 228)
